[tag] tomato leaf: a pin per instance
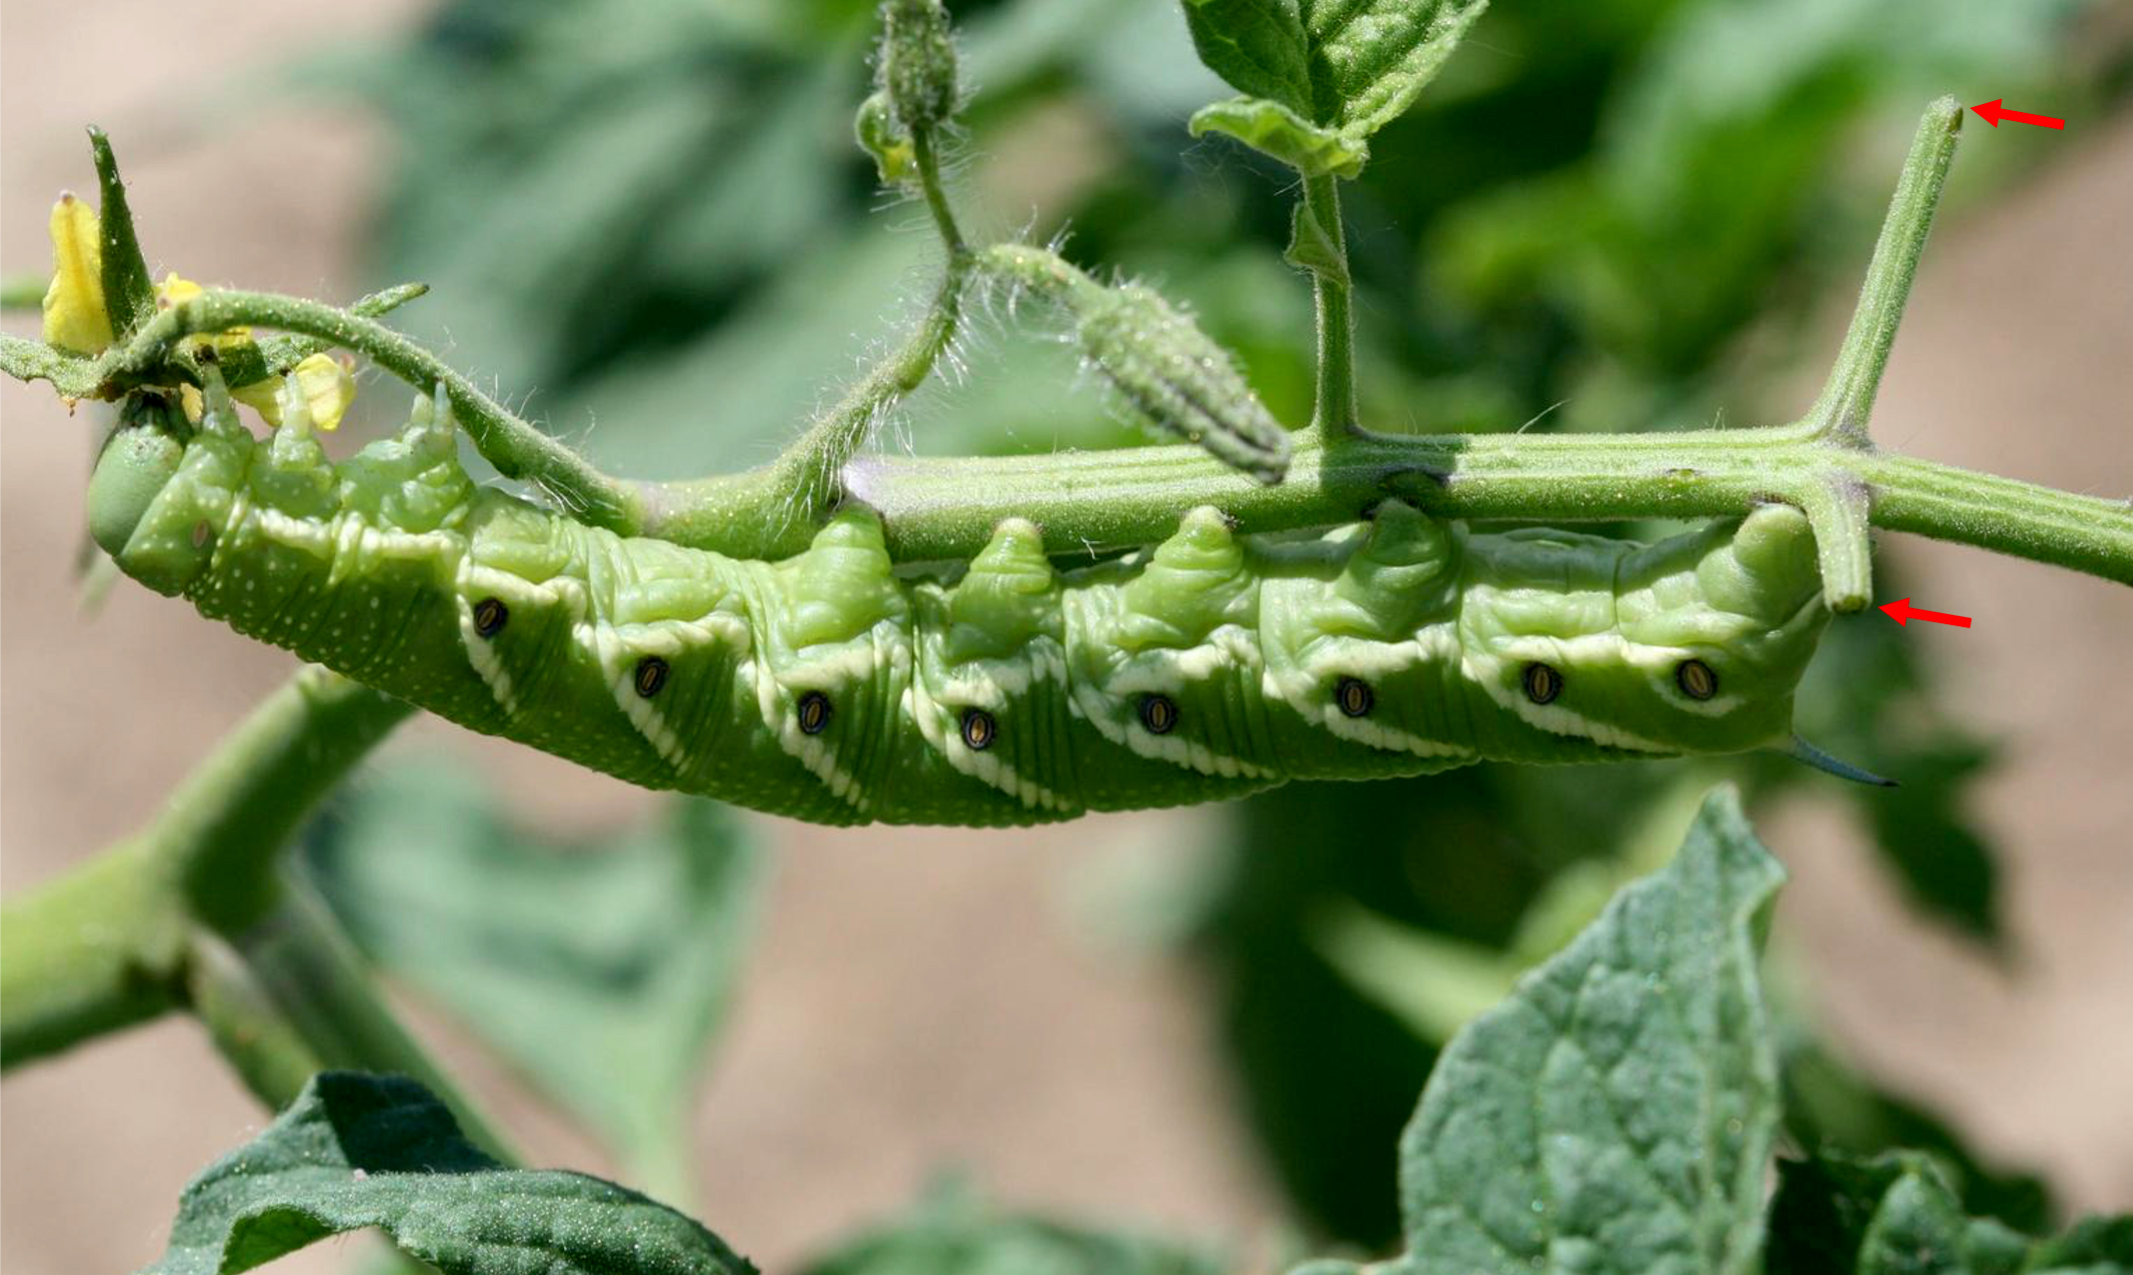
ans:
(1258, 46)
(1320, 76)
(1617, 1112)
(356, 1151)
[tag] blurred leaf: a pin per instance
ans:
(1943, 863)
(1832, 1110)
(602, 972)
(1865, 697)
(1436, 985)
(1897, 1215)
(356, 1151)
(951, 1233)
(1616, 1113)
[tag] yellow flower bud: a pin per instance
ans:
(74, 314)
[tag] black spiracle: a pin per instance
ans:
(489, 616)
(1159, 714)
(1354, 697)
(1542, 683)
(814, 713)
(1696, 679)
(979, 729)
(651, 675)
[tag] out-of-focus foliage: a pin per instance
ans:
(952, 1232)
(1898, 1213)
(601, 971)
(649, 222)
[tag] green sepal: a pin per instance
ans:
(1273, 129)
(129, 295)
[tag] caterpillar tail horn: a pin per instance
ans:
(1805, 752)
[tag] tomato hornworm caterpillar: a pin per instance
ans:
(829, 687)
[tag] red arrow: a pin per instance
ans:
(1901, 610)
(1992, 113)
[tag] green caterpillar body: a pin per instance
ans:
(829, 687)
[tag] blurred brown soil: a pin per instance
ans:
(923, 998)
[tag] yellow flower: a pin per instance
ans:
(328, 388)
(75, 318)
(74, 314)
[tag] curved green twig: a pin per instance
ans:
(195, 912)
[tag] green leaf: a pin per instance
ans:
(601, 972)
(1616, 1113)
(1349, 67)
(1897, 1214)
(1258, 46)
(356, 1151)
(952, 1233)
(1274, 129)
(1374, 57)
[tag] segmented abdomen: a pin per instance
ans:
(827, 688)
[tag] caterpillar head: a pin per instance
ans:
(140, 457)
(162, 487)
(1690, 645)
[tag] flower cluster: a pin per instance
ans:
(77, 319)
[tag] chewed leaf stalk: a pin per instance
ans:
(829, 687)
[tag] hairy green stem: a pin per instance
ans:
(1848, 398)
(104, 946)
(515, 447)
(1335, 413)
(223, 830)
(97, 950)
(199, 912)
(947, 508)
(810, 470)
(925, 154)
